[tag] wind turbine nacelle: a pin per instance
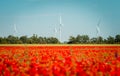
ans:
(61, 25)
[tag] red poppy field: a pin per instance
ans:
(60, 60)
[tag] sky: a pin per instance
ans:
(41, 17)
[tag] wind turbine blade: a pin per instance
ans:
(99, 22)
(60, 20)
(98, 28)
(55, 30)
(15, 29)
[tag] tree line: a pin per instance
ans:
(79, 39)
(84, 39)
(28, 40)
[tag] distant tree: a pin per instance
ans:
(41, 40)
(12, 40)
(29, 41)
(1, 39)
(84, 39)
(105, 41)
(34, 39)
(99, 40)
(78, 39)
(117, 38)
(52, 40)
(24, 39)
(45, 39)
(93, 40)
(72, 40)
(110, 40)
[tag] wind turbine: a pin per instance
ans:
(55, 32)
(15, 29)
(98, 28)
(60, 28)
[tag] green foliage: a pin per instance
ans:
(31, 40)
(12, 40)
(99, 40)
(110, 40)
(117, 38)
(24, 39)
(84, 39)
(79, 39)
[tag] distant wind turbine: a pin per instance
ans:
(60, 28)
(98, 28)
(55, 32)
(15, 29)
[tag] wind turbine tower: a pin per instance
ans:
(15, 29)
(55, 32)
(60, 28)
(98, 28)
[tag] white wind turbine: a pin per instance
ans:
(15, 29)
(98, 28)
(55, 32)
(60, 28)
